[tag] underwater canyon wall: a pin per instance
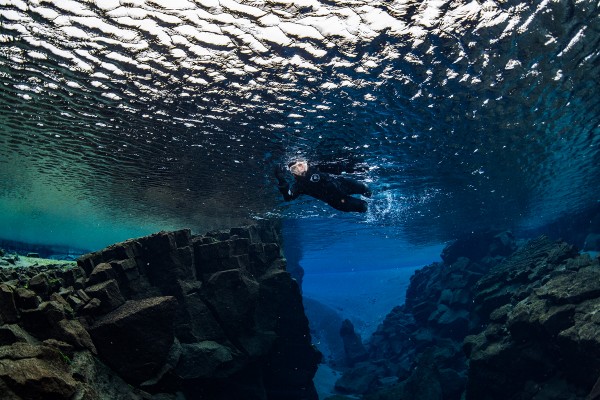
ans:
(492, 321)
(167, 316)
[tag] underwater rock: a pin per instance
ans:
(292, 360)
(592, 242)
(8, 308)
(72, 332)
(546, 342)
(414, 387)
(393, 339)
(521, 325)
(39, 284)
(360, 379)
(325, 325)
(206, 359)
(479, 245)
(12, 333)
(101, 273)
(26, 299)
(109, 295)
(31, 371)
(233, 296)
(353, 346)
(135, 339)
(42, 321)
(166, 314)
(514, 279)
(429, 326)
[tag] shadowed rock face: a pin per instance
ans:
(135, 339)
(498, 325)
(171, 314)
(540, 331)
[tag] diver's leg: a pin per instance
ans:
(349, 204)
(351, 186)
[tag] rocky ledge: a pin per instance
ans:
(167, 316)
(492, 321)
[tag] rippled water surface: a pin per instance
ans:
(123, 117)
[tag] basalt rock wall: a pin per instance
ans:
(540, 336)
(491, 322)
(171, 315)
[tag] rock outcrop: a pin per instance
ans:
(353, 346)
(505, 323)
(165, 316)
(422, 339)
(540, 332)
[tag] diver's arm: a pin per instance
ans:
(289, 192)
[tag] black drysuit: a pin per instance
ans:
(331, 188)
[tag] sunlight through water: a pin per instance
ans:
(156, 114)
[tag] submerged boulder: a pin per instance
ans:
(476, 246)
(135, 339)
(32, 371)
(8, 308)
(353, 346)
(206, 360)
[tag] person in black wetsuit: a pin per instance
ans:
(324, 183)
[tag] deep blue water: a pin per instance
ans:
(122, 119)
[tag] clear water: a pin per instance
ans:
(121, 118)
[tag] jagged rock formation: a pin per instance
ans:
(427, 331)
(325, 325)
(166, 316)
(504, 324)
(353, 346)
(541, 335)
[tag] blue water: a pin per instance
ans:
(119, 120)
(360, 273)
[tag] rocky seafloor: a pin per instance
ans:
(217, 316)
(167, 316)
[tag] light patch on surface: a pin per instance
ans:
(329, 26)
(275, 34)
(529, 20)
(430, 14)
(329, 85)
(37, 55)
(577, 38)
(242, 8)
(73, 7)
(107, 4)
(301, 31)
(269, 20)
(378, 20)
(558, 76)
(512, 64)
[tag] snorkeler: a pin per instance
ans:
(324, 183)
